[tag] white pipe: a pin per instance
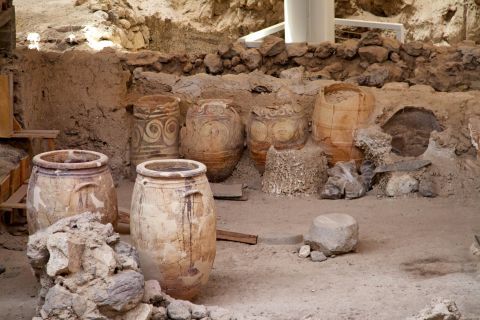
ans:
(296, 20)
(321, 21)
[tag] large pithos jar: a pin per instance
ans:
(213, 134)
(155, 131)
(173, 224)
(340, 109)
(283, 126)
(68, 182)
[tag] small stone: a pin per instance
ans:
(414, 48)
(214, 63)
(371, 39)
(227, 64)
(271, 46)
(373, 53)
(178, 310)
(199, 311)
(101, 15)
(125, 23)
(374, 76)
(153, 292)
(218, 313)
(391, 44)
(159, 313)
(297, 49)
(240, 68)
(295, 74)
(142, 311)
(333, 233)
(318, 256)
(188, 67)
(426, 188)
(395, 57)
(251, 58)
(236, 61)
(347, 49)
(401, 184)
(324, 50)
(304, 251)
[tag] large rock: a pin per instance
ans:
(271, 46)
(439, 309)
(347, 49)
(251, 58)
(401, 184)
(324, 50)
(333, 233)
(179, 310)
(297, 49)
(373, 54)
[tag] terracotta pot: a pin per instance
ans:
(155, 129)
(173, 224)
(340, 109)
(68, 182)
(213, 134)
(283, 126)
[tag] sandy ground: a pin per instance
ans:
(410, 251)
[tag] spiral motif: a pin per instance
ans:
(171, 131)
(153, 131)
(258, 131)
(137, 137)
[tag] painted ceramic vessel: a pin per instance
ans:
(68, 182)
(214, 135)
(340, 109)
(173, 225)
(283, 126)
(156, 125)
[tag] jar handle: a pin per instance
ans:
(83, 185)
(192, 192)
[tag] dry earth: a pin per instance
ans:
(411, 250)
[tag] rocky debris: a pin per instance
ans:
(295, 172)
(294, 74)
(391, 44)
(318, 256)
(86, 272)
(439, 309)
(333, 233)
(324, 50)
(373, 54)
(401, 184)
(304, 251)
(374, 142)
(414, 48)
(376, 75)
(213, 62)
(251, 58)
(427, 187)
(271, 46)
(348, 49)
(344, 181)
(371, 39)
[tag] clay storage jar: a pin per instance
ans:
(68, 182)
(339, 110)
(214, 135)
(155, 129)
(283, 126)
(173, 224)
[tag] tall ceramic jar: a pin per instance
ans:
(68, 182)
(283, 126)
(213, 134)
(173, 224)
(156, 125)
(340, 109)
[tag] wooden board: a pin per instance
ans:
(6, 106)
(44, 134)
(24, 168)
(124, 217)
(16, 200)
(5, 188)
(15, 178)
(228, 191)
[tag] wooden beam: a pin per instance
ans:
(15, 179)
(24, 168)
(5, 188)
(16, 200)
(43, 134)
(5, 16)
(6, 106)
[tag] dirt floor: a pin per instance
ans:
(411, 250)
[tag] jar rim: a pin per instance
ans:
(171, 168)
(70, 159)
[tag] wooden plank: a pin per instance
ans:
(124, 217)
(16, 199)
(6, 106)
(16, 125)
(5, 16)
(5, 188)
(24, 168)
(45, 134)
(15, 179)
(236, 237)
